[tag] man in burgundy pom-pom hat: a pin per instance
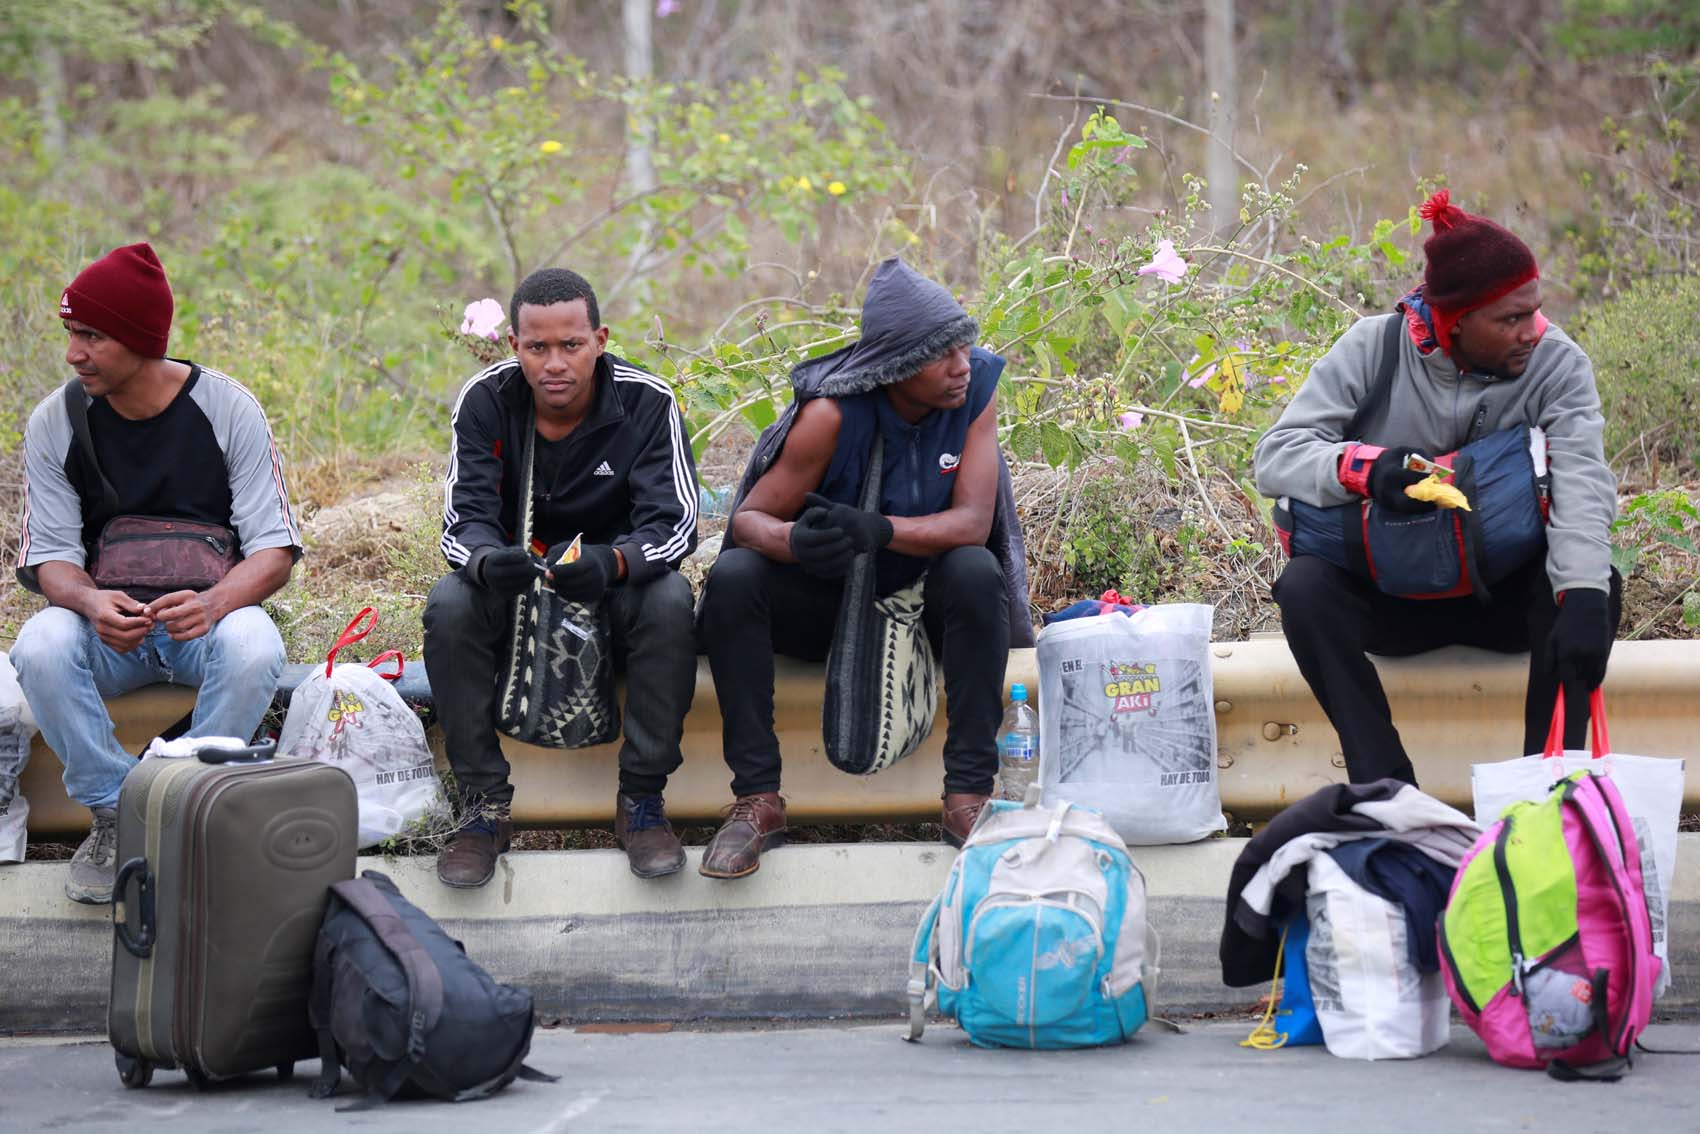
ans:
(1466, 360)
(177, 458)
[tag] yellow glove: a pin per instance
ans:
(1433, 490)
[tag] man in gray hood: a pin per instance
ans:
(915, 380)
(1476, 357)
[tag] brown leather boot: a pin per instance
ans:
(641, 827)
(753, 824)
(470, 858)
(961, 809)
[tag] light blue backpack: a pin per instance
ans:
(1039, 938)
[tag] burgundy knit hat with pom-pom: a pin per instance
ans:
(1471, 262)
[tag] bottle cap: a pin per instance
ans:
(1018, 692)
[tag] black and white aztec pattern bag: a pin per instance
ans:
(881, 679)
(557, 690)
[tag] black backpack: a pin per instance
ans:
(399, 1003)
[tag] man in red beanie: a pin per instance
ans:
(1472, 356)
(138, 435)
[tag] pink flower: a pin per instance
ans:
(1132, 419)
(482, 318)
(1202, 376)
(1166, 265)
(665, 8)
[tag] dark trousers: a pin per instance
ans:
(466, 627)
(1332, 618)
(754, 607)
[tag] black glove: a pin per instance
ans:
(506, 570)
(586, 579)
(1388, 479)
(1580, 642)
(868, 531)
(821, 550)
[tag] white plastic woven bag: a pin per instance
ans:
(1651, 787)
(350, 716)
(1127, 721)
(1371, 1000)
(17, 728)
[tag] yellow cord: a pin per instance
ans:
(1265, 1037)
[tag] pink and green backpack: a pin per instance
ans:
(1546, 943)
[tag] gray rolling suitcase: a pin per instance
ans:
(224, 867)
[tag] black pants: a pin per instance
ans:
(466, 627)
(1332, 618)
(754, 607)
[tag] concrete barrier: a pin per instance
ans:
(1453, 707)
(820, 931)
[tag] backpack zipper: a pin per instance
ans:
(1446, 951)
(1618, 1042)
(212, 542)
(1508, 893)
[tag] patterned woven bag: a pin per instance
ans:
(558, 687)
(881, 680)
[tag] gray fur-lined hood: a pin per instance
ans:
(907, 322)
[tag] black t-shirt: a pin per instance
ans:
(166, 465)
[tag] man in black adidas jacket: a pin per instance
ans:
(613, 466)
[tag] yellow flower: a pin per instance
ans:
(836, 188)
(914, 238)
(550, 147)
(723, 138)
(497, 43)
(804, 185)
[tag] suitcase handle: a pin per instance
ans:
(140, 943)
(252, 754)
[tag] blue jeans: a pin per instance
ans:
(66, 672)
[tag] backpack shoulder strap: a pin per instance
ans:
(1381, 390)
(78, 411)
(424, 980)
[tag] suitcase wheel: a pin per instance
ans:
(286, 1071)
(133, 1073)
(197, 1079)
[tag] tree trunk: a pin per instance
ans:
(1220, 76)
(640, 168)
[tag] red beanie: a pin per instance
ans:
(123, 294)
(1471, 262)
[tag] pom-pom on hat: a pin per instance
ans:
(124, 294)
(1471, 262)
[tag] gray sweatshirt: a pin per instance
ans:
(1433, 407)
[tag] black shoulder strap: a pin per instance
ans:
(424, 981)
(1382, 389)
(78, 411)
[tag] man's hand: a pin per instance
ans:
(1388, 479)
(819, 548)
(118, 620)
(186, 615)
(867, 531)
(506, 570)
(1580, 643)
(588, 577)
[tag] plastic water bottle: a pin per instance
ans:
(1018, 746)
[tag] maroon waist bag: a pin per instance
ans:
(149, 556)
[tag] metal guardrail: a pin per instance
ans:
(1453, 707)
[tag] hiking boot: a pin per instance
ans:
(469, 860)
(641, 827)
(753, 824)
(961, 809)
(95, 864)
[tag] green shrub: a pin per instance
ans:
(1646, 356)
(1138, 542)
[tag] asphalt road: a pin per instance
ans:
(862, 1078)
